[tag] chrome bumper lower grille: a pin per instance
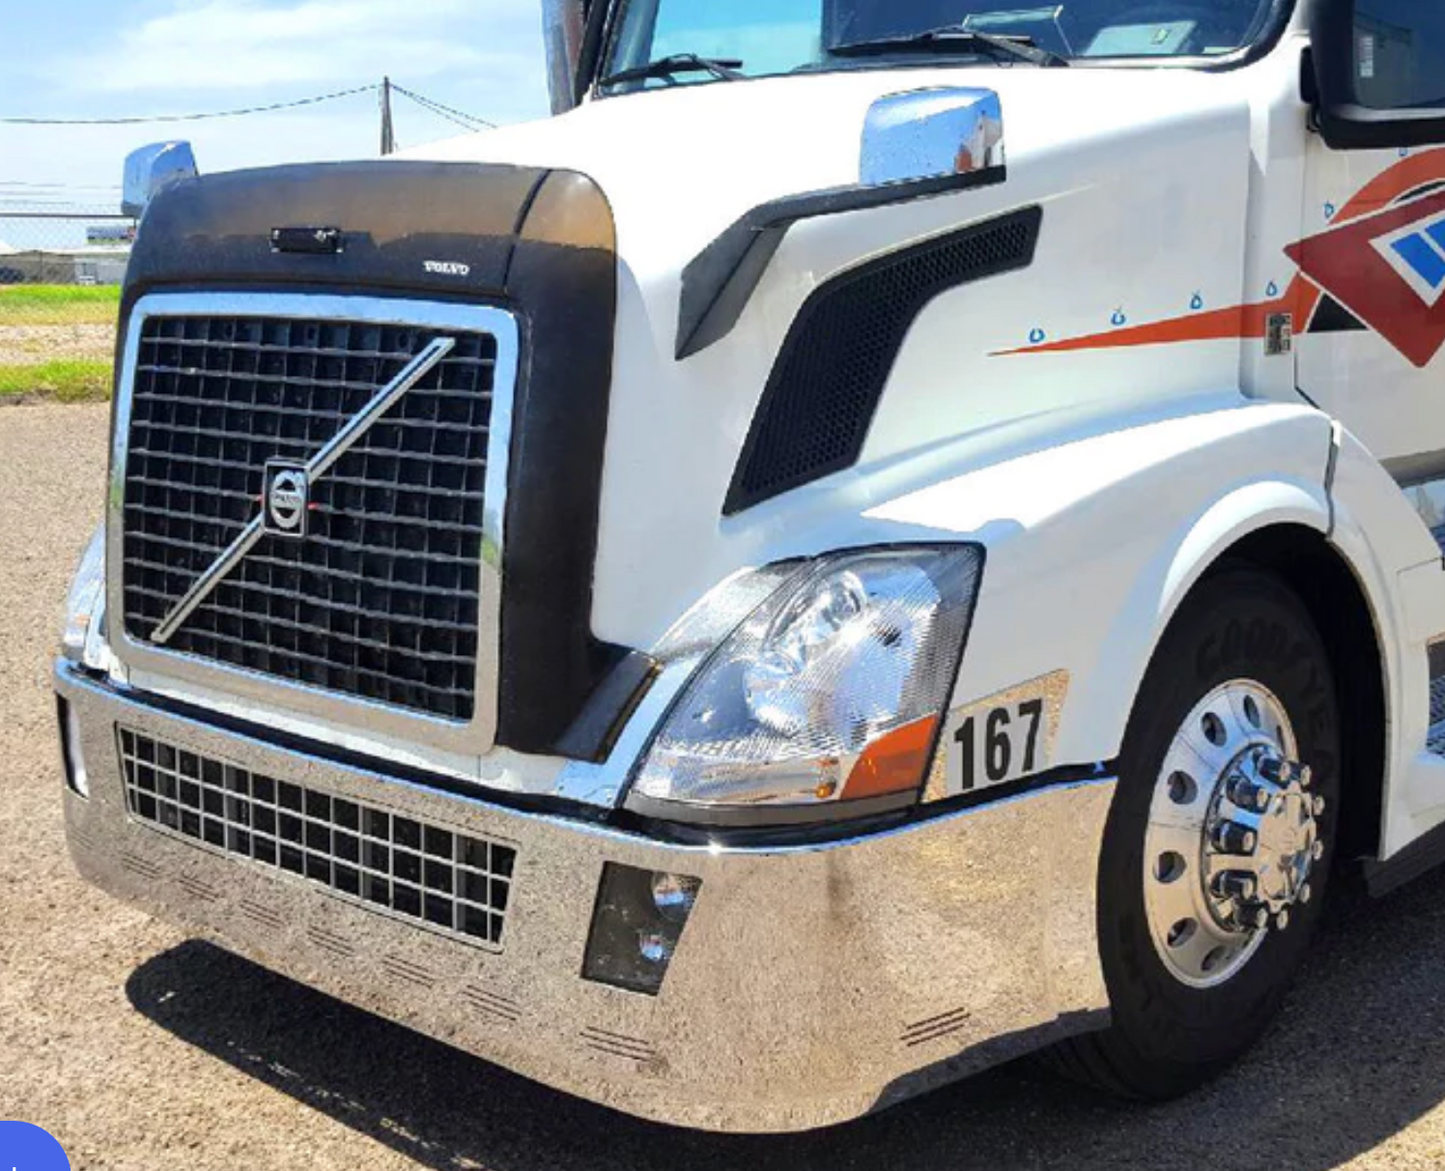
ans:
(447, 880)
(380, 598)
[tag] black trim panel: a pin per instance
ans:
(1416, 860)
(718, 283)
(563, 279)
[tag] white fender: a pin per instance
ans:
(1093, 545)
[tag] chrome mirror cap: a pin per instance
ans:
(931, 133)
(563, 23)
(150, 170)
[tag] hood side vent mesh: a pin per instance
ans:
(825, 386)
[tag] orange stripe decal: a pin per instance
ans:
(1300, 299)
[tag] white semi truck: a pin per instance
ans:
(881, 538)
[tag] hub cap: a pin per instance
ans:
(1232, 837)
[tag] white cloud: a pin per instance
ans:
(208, 45)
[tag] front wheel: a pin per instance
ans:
(1217, 849)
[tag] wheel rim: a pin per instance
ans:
(1233, 834)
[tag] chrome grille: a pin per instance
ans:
(380, 599)
(450, 881)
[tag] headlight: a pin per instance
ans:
(832, 691)
(81, 641)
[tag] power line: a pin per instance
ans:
(62, 187)
(135, 121)
(459, 117)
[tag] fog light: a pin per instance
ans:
(636, 926)
(70, 750)
(673, 895)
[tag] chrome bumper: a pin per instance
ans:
(811, 985)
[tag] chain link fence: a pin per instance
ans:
(61, 266)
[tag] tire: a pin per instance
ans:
(1167, 1037)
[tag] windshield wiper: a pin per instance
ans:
(723, 68)
(953, 39)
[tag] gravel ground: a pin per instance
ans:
(140, 1049)
(23, 345)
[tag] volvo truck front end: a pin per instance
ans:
(857, 549)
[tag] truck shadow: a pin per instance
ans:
(1356, 1057)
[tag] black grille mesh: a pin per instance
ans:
(451, 881)
(825, 386)
(380, 599)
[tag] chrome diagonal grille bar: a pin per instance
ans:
(315, 468)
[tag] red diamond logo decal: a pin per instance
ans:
(1388, 269)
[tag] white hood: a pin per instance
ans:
(1143, 178)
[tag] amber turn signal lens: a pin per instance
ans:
(894, 763)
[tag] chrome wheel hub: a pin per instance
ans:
(1233, 834)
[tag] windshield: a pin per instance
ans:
(788, 36)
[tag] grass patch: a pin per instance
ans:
(66, 381)
(59, 304)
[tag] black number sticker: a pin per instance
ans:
(1009, 747)
(1000, 750)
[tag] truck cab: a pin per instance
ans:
(875, 540)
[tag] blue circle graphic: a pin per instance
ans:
(28, 1148)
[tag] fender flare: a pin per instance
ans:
(1167, 580)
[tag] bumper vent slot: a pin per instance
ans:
(492, 1004)
(380, 598)
(452, 883)
(262, 916)
(334, 945)
(139, 866)
(936, 1028)
(619, 1045)
(408, 973)
(829, 377)
(200, 891)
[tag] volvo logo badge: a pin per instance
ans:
(287, 498)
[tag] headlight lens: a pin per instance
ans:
(86, 604)
(831, 691)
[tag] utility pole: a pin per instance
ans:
(388, 137)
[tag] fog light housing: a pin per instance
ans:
(70, 750)
(636, 926)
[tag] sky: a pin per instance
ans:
(119, 58)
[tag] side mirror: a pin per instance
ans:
(931, 134)
(152, 169)
(1377, 76)
(564, 30)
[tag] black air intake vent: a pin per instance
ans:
(825, 386)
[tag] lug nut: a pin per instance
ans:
(1232, 838)
(1318, 850)
(1281, 921)
(1245, 794)
(1306, 776)
(1305, 894)
(1235, 884)
(1317, 806)
(1276, 770)
(1256, 917)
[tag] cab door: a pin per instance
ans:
(1372, 350)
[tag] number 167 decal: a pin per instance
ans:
(1003, 738)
